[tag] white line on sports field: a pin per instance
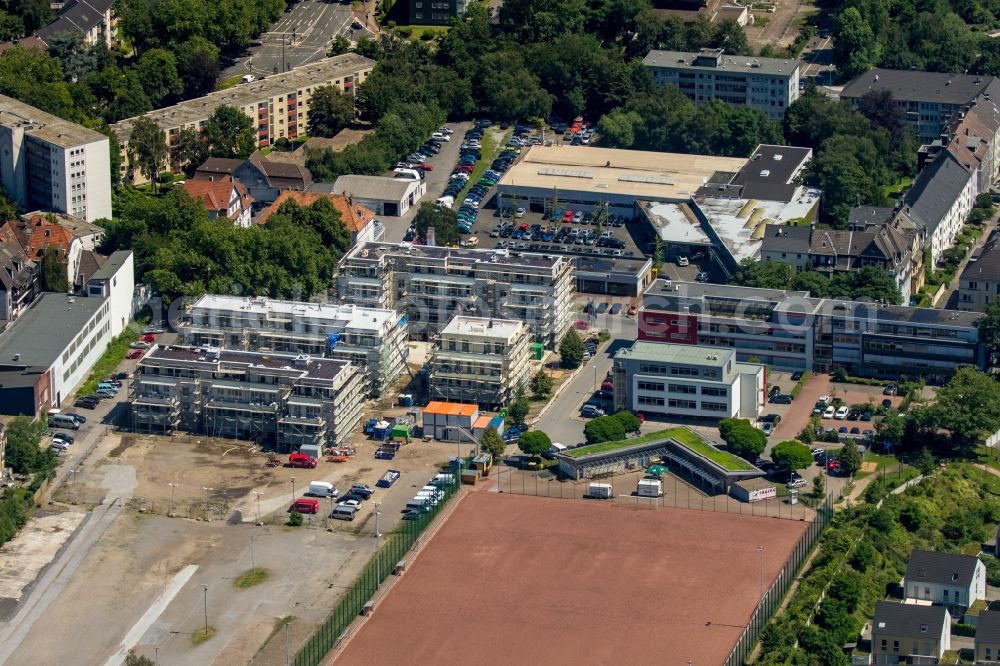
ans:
(151, 615)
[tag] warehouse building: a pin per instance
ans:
(790, 330)
(433, 284)
(370, 338)
(277, 400)
(687, 381)
(480, 360)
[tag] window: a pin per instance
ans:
(650, 400)
(946, 595)
(714, 406)
(683, 404)
(714, 391)
(683, 388)
(988, 653)
(650, 386)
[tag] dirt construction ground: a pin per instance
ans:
(515, 579)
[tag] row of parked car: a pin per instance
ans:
(106, 390)
(471, 153)
(428, 497)
(567, 216)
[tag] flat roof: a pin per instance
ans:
(673, 225)
(346, 315)
(916, 86)
(450, 408)
(43, 332)
(246, 94)
(375, 251)
(486, 327)
(381, 188)
(45, 126)
(311, 366)
(668, 353)
(603, 171)
(726, 63)
(686, 438)
(770, 171)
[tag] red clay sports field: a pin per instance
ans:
(513, 579)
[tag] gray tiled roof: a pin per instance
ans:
(985, 265)
(934, 191)
(930, 566)
(909, 620)
(988, 627)
(906, 85)
(783, 238)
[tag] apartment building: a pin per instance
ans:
(278, 105)
(95, 20)
(767, 84)
(929, 99)
(52, 164)
(435, 12)
(953, 580)
(980, 282)
(909, 634)
(480, 360)
(688, 381)
(373, 339)
(281, 400)
(224, 198)
(433, 284)
(790, 330)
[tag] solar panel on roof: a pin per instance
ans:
(658, 180)
(569, 173)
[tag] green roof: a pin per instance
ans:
(685, 437)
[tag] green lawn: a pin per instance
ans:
(880, 460)
(896, 190)
(230, 82)
(689, 439)
(489, 151)
(114, 355)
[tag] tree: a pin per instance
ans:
(133, 659)
(541, 385)
(518, 409)
(492, 443)
(54, 271)
(855, 48)
(989, 333)
(791, 455)
(22, 453)
(630, 422)
(819, 485)
(850, 458)
(891, 428)
(534, 442)
(926, 462)
(198, 66)
(147, 148)
(442, 219)
(190, 151)
(330, 110)
(604, 429)
(230, 133)
(742, 438)
(156, 70)
(968, 406)
(571, 350)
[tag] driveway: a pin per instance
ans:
(797, 415)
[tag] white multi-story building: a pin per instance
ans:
(373, 339)
(768, 84)
(689, 381)
(480, 360)
(950, 579)
(282, 399)
(50, 163)
(433, 284)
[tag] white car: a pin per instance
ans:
(352, 503)
(818, 452)
(446, 130)
(796, 483)
(438, 136)
(682, 261)
(824, 400)
(841, 413)
(519, 213)
(830, 412)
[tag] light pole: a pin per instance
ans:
(76, 498)
(253, 564)
(208, 499)
(378, 505)
(172, 486)
(258, 505)
(205, 588)
(760, 549)
(293, 488)
(156, 656)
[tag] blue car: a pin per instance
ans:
(548, 236)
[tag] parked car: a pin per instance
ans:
(135, 353)
(140, 344)
(796, 483)
(683, 261)
(615, 309)
(304, 505)
(841, 413)
(797, 375)
(890, 389)
(781, 399)
(89, 402)
(830, 412)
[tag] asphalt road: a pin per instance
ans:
(300, 36)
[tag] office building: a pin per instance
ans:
(281, 400)
(435, 12)
(52, 164)
(433, 284)
(278, 105)
(480, 360)
(687, 381)
(979, 285)
(767, 84)
(789, 330)
(50, 349)
(929, 99)
(372, 339)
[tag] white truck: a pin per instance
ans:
(600, 491)
(649, 488)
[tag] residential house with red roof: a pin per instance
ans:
(223, 196)
(358, 219)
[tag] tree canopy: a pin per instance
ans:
(492, 442)
(791, 454)
(742, 438)
(869, 283)
(441, 218)
(330, 110)
(604, 429)
(534, 442)
(571, 349)
(968, 406)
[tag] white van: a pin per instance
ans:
(322, 489)
(248, 78)
(416, 503)
(407, 174)
(63, 421)
(343, 512)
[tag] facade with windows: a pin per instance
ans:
(277, 105)
(433, 284)
(909, 633)
(52, 164)
(979, 285)
(435, 12)
(767, 84)
(280, 400)
(687, 381)
(953, 580)
(372, 339)
(480, 360)
(987, 644)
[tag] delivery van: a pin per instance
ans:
(344, 512)
(322, 489)
(304, 506)
(63, 421)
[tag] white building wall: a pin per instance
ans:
(949, 228)
(120, 297)
(75, 362)
(97, 160)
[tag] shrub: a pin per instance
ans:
(427, 35)
(295, 519)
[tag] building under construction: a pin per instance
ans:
(277, 400)
(433, 284)
(374, 339)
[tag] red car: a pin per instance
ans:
(148, 337)
(301, 460)
(135, 353)
(607, 385)
(426, 167)
(581, 325)
(304, 506)
(467, 168)
(833, 465)
(568, 216)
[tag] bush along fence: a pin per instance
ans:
(776, 592)
(379, 567)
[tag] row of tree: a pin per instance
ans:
(869, 283)
(19, 18)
